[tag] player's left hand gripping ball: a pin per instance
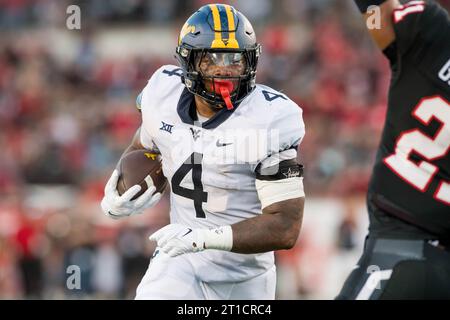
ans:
(175, 239)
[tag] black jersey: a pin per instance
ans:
(411, 176)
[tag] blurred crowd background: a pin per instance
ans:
(67, 113)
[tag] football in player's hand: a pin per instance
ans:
(137, 167)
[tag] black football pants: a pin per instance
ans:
(399, 269)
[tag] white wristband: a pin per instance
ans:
(220, 238)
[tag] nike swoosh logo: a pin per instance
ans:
(112, 214)
(190, 230)
(218, 144)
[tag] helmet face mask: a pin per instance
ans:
(221, 74)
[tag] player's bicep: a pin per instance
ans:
(280, 182)
(282, 196)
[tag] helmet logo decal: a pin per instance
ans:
(187, 28)
(218, 41)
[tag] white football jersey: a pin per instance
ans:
(211, 165)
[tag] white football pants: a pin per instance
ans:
(175, 279)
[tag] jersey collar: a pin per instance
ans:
(186, 111)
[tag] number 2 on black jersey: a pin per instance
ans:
(420, 174)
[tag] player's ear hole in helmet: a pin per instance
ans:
(218, 53)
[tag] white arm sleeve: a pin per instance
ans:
(270, 192)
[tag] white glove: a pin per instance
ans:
(116, 206)
(175, 239)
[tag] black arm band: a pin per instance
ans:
(364, 4)
(284, 170)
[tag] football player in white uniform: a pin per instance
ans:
(229, 151)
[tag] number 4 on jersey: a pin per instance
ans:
(194, 163)
(270, 96)
(420, 174)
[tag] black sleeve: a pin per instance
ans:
(391, 53)
(417, 25)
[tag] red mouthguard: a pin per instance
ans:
(224, 87)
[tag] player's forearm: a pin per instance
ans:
(378, 21)
(277, 228)
(380, 27)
